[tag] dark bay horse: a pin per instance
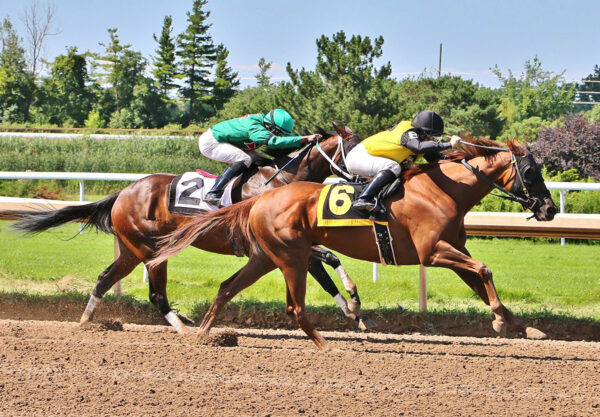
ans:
(426, 220)
(138, 215)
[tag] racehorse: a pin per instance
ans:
(139, 214)
(426, 220)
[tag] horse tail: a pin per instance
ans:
(93, 215)
(233, 218)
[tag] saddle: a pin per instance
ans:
(335, 209)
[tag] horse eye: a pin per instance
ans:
(529, 175)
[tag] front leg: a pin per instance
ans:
(478, 276)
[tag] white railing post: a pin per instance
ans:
(422, 288)
(375, 272)
(81, 198)
(562, 210)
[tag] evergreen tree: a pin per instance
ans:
(122, 69)
(263, 80)
(225, 79)
(196, 50)
(165, 69)
(17, 87)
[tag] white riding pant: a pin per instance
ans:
(223, 151)
(361, 162)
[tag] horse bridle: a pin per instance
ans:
(518, 186)
(341, 149)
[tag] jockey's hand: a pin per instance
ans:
(311, 138)
(454, 140)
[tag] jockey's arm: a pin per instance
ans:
(434, 156)
(410, 140)
(261, 136)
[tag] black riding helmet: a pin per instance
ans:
(429, 122)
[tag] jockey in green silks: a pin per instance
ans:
(235, 142)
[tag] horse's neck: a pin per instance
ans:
(468, 189)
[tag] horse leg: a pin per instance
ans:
(295, 279)
(350, 308)
(316, 269)
(157, 278)
(257, 266)
(445, 255)
(118, 270)
(476, 284)
(333, 261)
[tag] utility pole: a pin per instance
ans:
(440, 63)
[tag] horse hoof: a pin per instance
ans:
(353, 306)
(365, 323)
(84, 319)
(185, 319)
(499, 327)
(535, 334)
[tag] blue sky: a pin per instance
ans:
(476, 35)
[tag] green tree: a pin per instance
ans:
(536, 93)
(66, 95)
(197, 55)
(467, 108)
(226, 80)
(345, 86)
(165, 69)
(262, 78)
(17, 86)
(122, 68)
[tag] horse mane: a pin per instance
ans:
(465, 152)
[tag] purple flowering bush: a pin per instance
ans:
(573, 144)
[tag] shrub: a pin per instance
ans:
(573, 144)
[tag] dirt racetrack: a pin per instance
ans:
(59, 368)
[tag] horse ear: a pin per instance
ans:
(338, 129)
(516, 143)
(509, 144)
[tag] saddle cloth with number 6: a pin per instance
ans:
(187, 191)
(335, 209)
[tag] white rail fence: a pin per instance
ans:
(500, 224)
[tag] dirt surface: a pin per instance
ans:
(59, 368)
(268, 317)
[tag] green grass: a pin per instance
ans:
(532, 277)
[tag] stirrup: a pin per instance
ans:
(213, 197)
(364, 204)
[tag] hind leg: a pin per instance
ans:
(257, 266)
(119, 269)
(295, 279)
(157, 277)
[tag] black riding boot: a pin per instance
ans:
(366, 200)
(214, 195)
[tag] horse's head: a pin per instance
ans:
(528, 184)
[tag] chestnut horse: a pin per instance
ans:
(426, 220)
(138, 215)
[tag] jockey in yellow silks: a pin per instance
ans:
(379, 156)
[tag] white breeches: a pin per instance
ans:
(361, 162)
(223, 151)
